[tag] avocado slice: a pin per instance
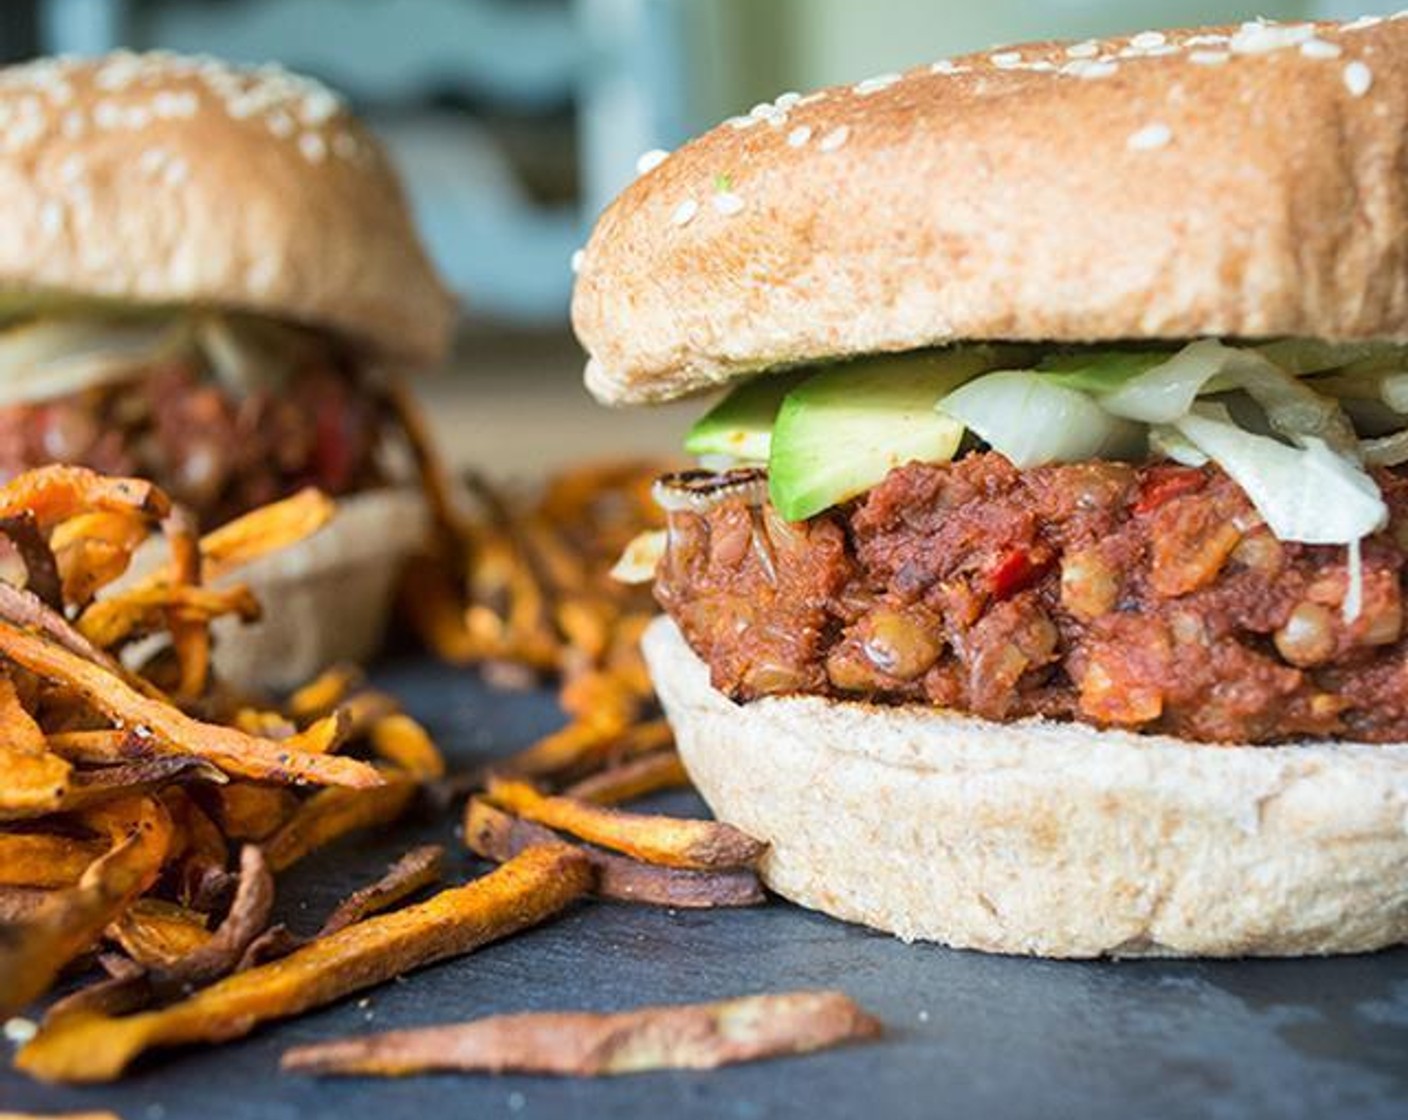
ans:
(841, 431)
(1100, 371)
(740, 425)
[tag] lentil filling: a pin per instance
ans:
(1146, 597)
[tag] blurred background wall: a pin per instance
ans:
(514, 121)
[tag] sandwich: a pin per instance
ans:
(1040, 586)
(207, 276)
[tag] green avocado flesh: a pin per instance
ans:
(841, 431)
(740, 425)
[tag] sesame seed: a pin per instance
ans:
(788, 100)
(1320, 48)
(176, 173)
(319, 105)
(743, 122)
(650, 160)
(1357, 78)
(1362, 23)
(107, 115)
(1150, 137)
(1262, 38)
(1146, 40)
(151, 160)
(281, 124)
(72, 168)
(1209, 58)
(875, 84)
(577, 258)
(1005, 60)
(727, 203)
(1088, 49)
(313, 147)
(799, 135)
(1208, 39)
(834, 139)
(947, 66)
(684, 212)
(1097, 68)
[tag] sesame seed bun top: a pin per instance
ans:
(1234, 181)
(160, 179)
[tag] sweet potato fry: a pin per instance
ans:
(670, 841)
(41, 571)
(414, 871)
(270, 528)
(137, 612)
(26, 610)
(498, 836)
(190, 633)
(528, 890)
(55, 493)
(156, 933)
(233, 751)
(18, 904)
(92, 787)
(42, 859)
(246, 811)
(332, 813)
(93, 549)
(33, 780)
(650, 773)
(588, 1044)
(401, 741)
(325, 692)
(105, 746)
(220, 953)
(71, 920)
(171, 969)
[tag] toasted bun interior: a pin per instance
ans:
(157, 179)
(1235, 181)
(1046, 838)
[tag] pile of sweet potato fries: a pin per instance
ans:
(145, 808)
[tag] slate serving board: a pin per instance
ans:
(969, 1035)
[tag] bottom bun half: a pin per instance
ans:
(325, 599)
(1050, 839)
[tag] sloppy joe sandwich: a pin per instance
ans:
(1040, 586)
(205, 273)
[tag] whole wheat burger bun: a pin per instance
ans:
(1050, 839)
(1234, 181)
(160, 179)
(167, 181)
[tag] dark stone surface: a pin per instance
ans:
(970, 1035)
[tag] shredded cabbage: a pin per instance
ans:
(50, 358)
(1307, 493)
(1032, 419)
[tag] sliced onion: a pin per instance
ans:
(1308, 493)
(1032, 420)
(641, 557)
(701, 491)
(1386, 451)
(1167, 392)
(50, 358)
(246, 353)
(1168, 441)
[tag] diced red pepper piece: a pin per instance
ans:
(1016, 570)
(1163, 484)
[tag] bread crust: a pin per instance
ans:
(1050, 839)
(1217, 181)
(158, 179)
